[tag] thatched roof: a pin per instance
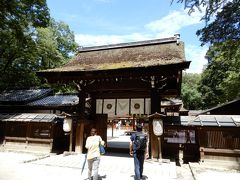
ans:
(126, 55)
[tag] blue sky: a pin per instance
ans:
(100, 22)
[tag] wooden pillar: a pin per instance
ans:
(159, 148)
(80, 122)
(201, 140)
(133, 123)
(51, 135)
(155, 101)
(79, 137)
(112, 127)
(70, 141)
(155, 107)
(81, 103)
(28, 132)
(93, 106)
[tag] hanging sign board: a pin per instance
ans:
(157, 127)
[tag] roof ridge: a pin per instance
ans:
(129, 44)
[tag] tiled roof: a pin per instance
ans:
(23, 96)
(56, 100)
(216, 120)
(204, 120)
(27, 117)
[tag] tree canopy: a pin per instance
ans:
(192, 98)
(30, 41)
(55, 45)
(210, 7)
(18, 20)
(220, 81)
(226, 25)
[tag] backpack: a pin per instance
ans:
(140, 142)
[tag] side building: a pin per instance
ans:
(31, 120)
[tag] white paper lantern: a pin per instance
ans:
(67, 125)
(157, 127)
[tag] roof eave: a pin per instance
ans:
(66, 76)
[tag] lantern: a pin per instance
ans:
(157, 127)
(67, 125)
(157, 124)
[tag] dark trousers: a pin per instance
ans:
(138, 164)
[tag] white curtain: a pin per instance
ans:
(122, 107)
(147, 106)
(99, 103)
(109, 107)
(137, 106)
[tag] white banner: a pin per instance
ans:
(99, 104)
(137, 106)
(109, 107)
(122, 107)
(147, 106)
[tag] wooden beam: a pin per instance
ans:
(155, 107)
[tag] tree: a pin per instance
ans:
(47, 47)
(220, 81)
(211, 7)
(18, 19)
(225, 27)
(190, 94)
(56, 45)
(18, 22)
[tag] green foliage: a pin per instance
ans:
(55, 44)
(221, 79)
(41, 48)
(65, 38)
(211, 7)
(190, 95)
(18, 22)
(64, 88)
(225, 27)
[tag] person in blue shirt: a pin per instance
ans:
(138, 154)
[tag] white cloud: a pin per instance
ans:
(196, 54)
(104, 1)
(173, 22)
(165, 27)
(96, 40)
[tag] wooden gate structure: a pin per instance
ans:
(145, 69)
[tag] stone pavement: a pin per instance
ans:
(217, 169)
(25, 166)
(112, 167)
